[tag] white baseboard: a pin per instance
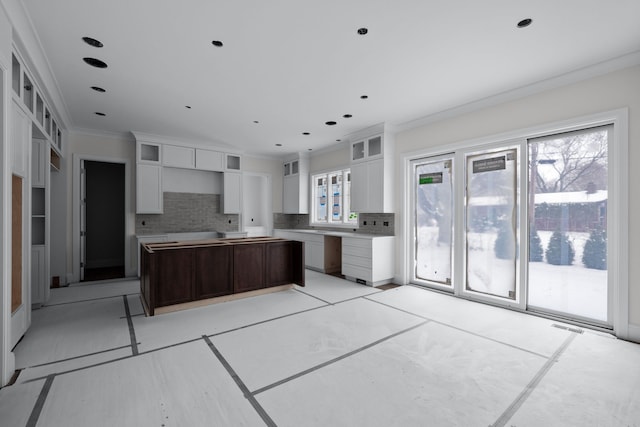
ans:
(634, 333)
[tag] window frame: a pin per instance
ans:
(347, 219)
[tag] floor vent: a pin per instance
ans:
(566, 328)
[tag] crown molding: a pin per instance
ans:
(575, 76)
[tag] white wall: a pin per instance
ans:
(332, 158)
(272, 167)
(612, 91)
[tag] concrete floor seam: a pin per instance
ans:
(42, 398)
(337, 359)
(460, 329)
(245, 391)
(132, 330)
(522, 397)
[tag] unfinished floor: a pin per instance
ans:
(333, 353)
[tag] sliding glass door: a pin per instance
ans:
(521, 224)
(568, 205)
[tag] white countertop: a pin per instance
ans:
(334, 233)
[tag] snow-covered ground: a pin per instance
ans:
(571, 289)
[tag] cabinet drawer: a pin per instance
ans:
(357, 272)
(357, 261)
(356, 251)
(359, 243)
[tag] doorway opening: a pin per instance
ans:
(102, 221)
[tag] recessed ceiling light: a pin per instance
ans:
(338, 140)
(98, 89)
(278, 145)
(306, 133)
(331, 123)
(256, 121)
(217, 43)
(188, 107)
(309, 149)
(364, 97)
(362, 31)
(347, 116)
(92, 42)
(95, 62)
(525, 23)
(100, 114)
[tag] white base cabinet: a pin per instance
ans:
(368, 261)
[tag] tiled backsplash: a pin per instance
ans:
(382, 224)
(187, 212)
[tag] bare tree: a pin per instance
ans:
(570, 163)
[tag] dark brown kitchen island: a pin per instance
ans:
(185, 274)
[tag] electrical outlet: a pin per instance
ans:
(386, 223)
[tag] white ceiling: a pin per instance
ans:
(292, 65)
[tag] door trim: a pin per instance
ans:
(129, 227)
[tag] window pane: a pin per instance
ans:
(568, 223)
(336, 194)
(491, 223)
(321, 198)
(434, 221)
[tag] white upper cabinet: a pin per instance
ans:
(232, 192)
(372, 171)
(149, 198)
(31, 100)
(295, 194)
(20, 140)
(39, 162)
(178, 157)
(208, 160)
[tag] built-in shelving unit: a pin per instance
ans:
(47, 137)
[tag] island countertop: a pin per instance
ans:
(178, 273)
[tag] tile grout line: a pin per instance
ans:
(337, 359)
(132, 331)
(463, 330)
(42, 398)
(245, 391)
(524, 394)
(84, 300)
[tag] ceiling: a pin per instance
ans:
(289, 66)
